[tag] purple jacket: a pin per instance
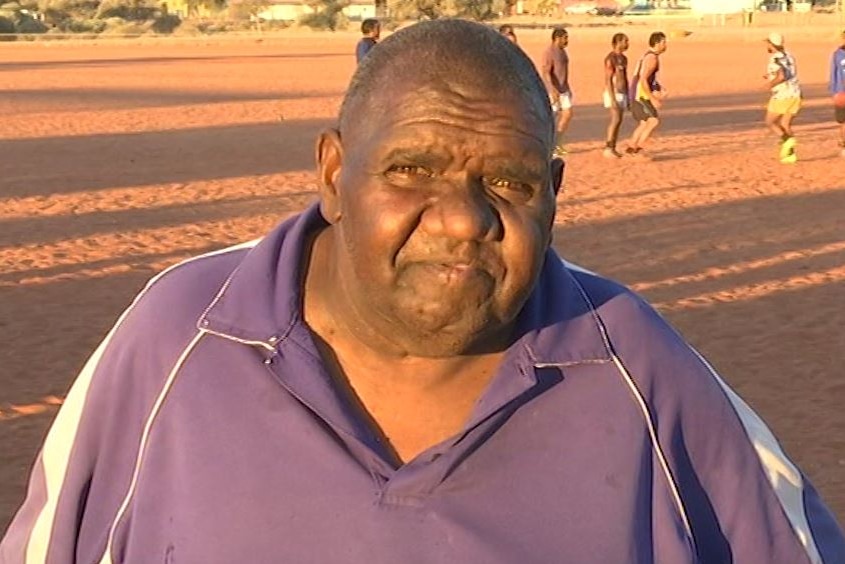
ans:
(205, 430)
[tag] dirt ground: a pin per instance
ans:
(120, 158)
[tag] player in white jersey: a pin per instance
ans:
(785, 101)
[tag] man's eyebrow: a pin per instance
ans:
(416, 156)
(518, 170)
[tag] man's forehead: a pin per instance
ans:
(457, 99)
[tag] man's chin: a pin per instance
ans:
(439, 338)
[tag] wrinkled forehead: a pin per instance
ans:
(458, 124)
(463, 95)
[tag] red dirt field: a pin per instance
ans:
(118, 159)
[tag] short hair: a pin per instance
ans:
(618, 38)
(506, 29)
(558, 32)
(656, 38)
(369, 25)
(474, 54)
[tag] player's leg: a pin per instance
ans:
(564, 116)
(788, 147)
(773, 123)
(842, 136)
(613, 130)
(786, 123)
(640, 115)
(650, 125)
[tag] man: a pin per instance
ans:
(615, 90)
(371, 31)
(837, 89)
(407, 372)
(647, 94)
(508, 31)
(785, 102)
(555, 74)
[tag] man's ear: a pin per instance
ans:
(329, 162)
(558, 167)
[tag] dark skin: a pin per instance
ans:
(616, 80)
(439, 223)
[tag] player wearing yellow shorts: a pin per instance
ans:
(785, 102)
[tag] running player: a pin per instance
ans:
(785, 102)
(837, 89)
(615, 90)
(647, 94)
(555, 74)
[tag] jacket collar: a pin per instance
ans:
(261, 301)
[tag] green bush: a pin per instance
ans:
(328, 15)
(132, 10)
(166, 23)
(7, 26)
(82, 26)
(28, 24)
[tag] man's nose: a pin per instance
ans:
(462, 211)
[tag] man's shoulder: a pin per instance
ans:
(623, 313)
(177, 296)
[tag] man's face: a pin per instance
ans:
(661, 47)
(842, 40)
(445, 216)
(771, 48)
(377, 31)
(563, 41)
(624, 43)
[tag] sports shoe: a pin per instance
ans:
(789, 159)
(611, 153)
(787, 147)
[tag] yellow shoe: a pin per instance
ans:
(789, 159)
(788, 147)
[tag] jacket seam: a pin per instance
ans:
(144, 443)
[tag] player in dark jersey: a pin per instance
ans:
(615, 90)
(371, 30)
(647, 94)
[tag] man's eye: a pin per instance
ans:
(409, 170)
(505, 184)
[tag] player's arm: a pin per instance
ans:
(836, 79)
(777, 76)
(609, 74)
(548, 78)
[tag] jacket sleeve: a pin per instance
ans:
(83, 473)
(741, 498)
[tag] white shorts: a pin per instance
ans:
(617, 99)
(563, 102)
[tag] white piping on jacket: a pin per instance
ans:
(168, 384)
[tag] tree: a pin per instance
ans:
(479, 10)
(327, 14)
(418, 9)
